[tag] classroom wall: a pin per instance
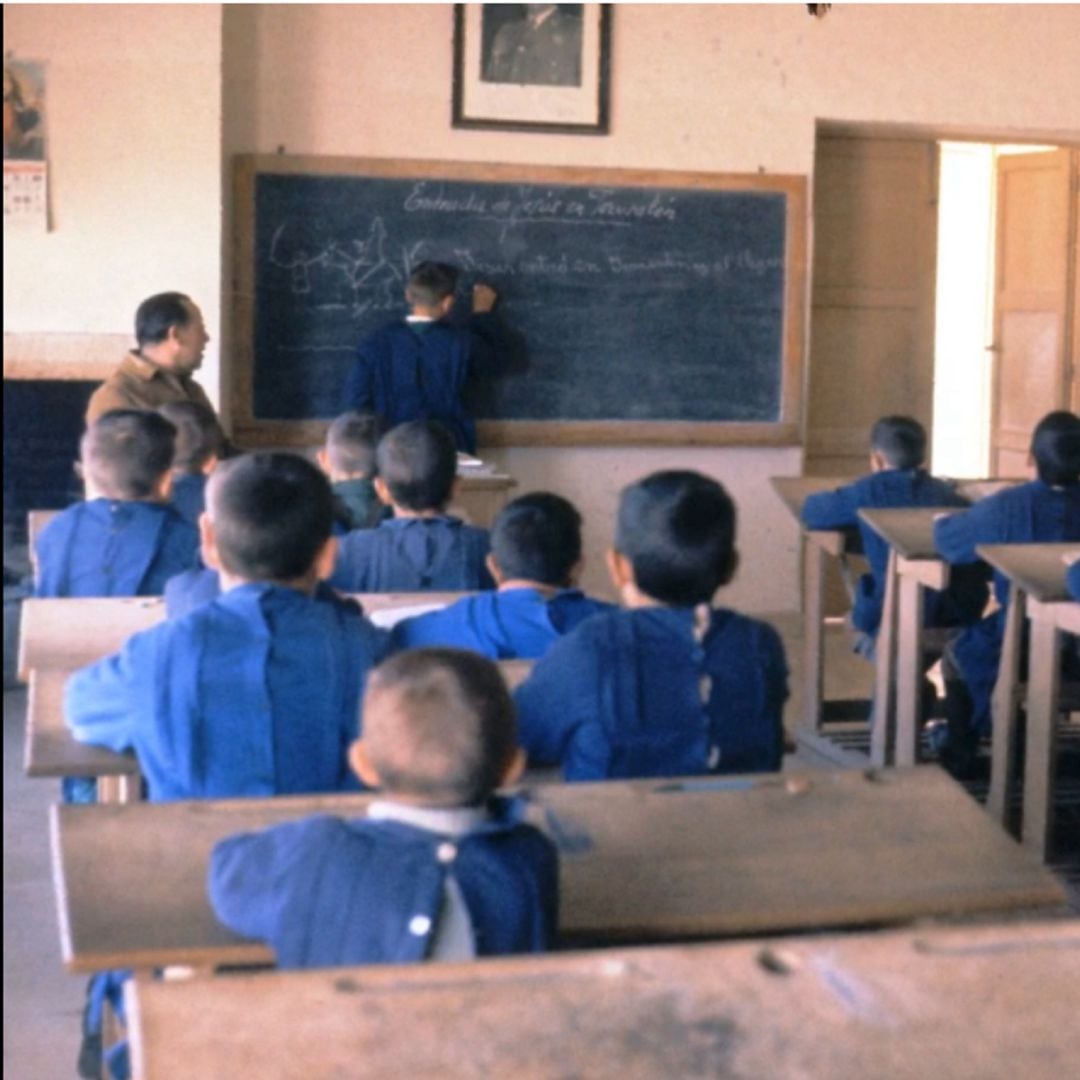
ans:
(733, 88)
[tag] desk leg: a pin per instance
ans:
(884, 671)
(813, 636)
(1003, 710)
(908, 669)
(1044, 682)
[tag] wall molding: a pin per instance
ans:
(62, 356)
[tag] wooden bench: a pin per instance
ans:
(640, 860)
(950, 1004)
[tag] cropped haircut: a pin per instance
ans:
(1055, 446)
(351, 440)
(418, 461)
(157, 313)
(537, 537)
(271, 512)
(198, 437)
(430, 283)
(677, 528)
(901, 440)
(439, 724)
(126, 452)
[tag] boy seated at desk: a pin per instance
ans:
(198, 448)
(257, 692)
(348, 458)
(535, 559)
(897, 479)
(1044, 510)
(124, 539)
(421, 548)
(669, 686)
(440, 869)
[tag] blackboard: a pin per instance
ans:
(637, 306)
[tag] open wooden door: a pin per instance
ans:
(1035, 299)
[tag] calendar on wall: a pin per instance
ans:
(26, 171)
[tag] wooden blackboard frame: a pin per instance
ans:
(787, 431)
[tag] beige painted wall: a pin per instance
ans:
(712, 87)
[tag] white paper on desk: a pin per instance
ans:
(388, 617)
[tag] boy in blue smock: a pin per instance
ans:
(439, 869)
(124, 539)
(421, 548)
(418, 368)
(1045, 510)
(198, 448)
(897, 479)
(669, 686)
(535, 559)
(257, 692)
(348, 458)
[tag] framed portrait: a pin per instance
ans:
(532, 67)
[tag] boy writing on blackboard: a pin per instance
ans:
(416, 368)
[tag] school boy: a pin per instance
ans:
(257, 692)
(1045, 510)
(124, 539)
(198, 447)
(348, 458)
(896, 479)
(668, 686)
(421, 547)
(417, 368)
(440, 869)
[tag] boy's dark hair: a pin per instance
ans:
(272, 513)
(198, 437)
(1055, 446)
(430, 283)
(537, 537)
(418, 461)
(157, 313)
(351, 440)
(126, 452)
(901, 440)
(439, 725)
(677, 528)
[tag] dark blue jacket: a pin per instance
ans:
(1072, 580)
(256, 693)
(620, 697)
(356, 506)
(509, 624)
(189, 496)
(326, 892)
(413, 555)
(961, 603)
(1030, 513)
(419, 371)
(108, 547)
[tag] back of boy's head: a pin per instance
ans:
(272, 513)
(197, 434)
(126, 452)
(430, 283)
(537, 537)
(418, 461)
(900, 440)
(350, 443)
(677, 528)
(439, 726)
(1055, 446)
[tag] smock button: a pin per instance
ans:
(419, 925)
(446, 853)
(714, 758)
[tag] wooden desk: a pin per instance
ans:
(995, 1001)
(640, 860)
(52, 751)
(816, 545)
(479, 497)
(1036, 574)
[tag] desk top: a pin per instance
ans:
(952, 1004)
(794, 489)
(1038, 569)
(910, 531)
(640, 860)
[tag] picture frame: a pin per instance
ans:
(532, 67)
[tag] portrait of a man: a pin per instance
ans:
(532, 44)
